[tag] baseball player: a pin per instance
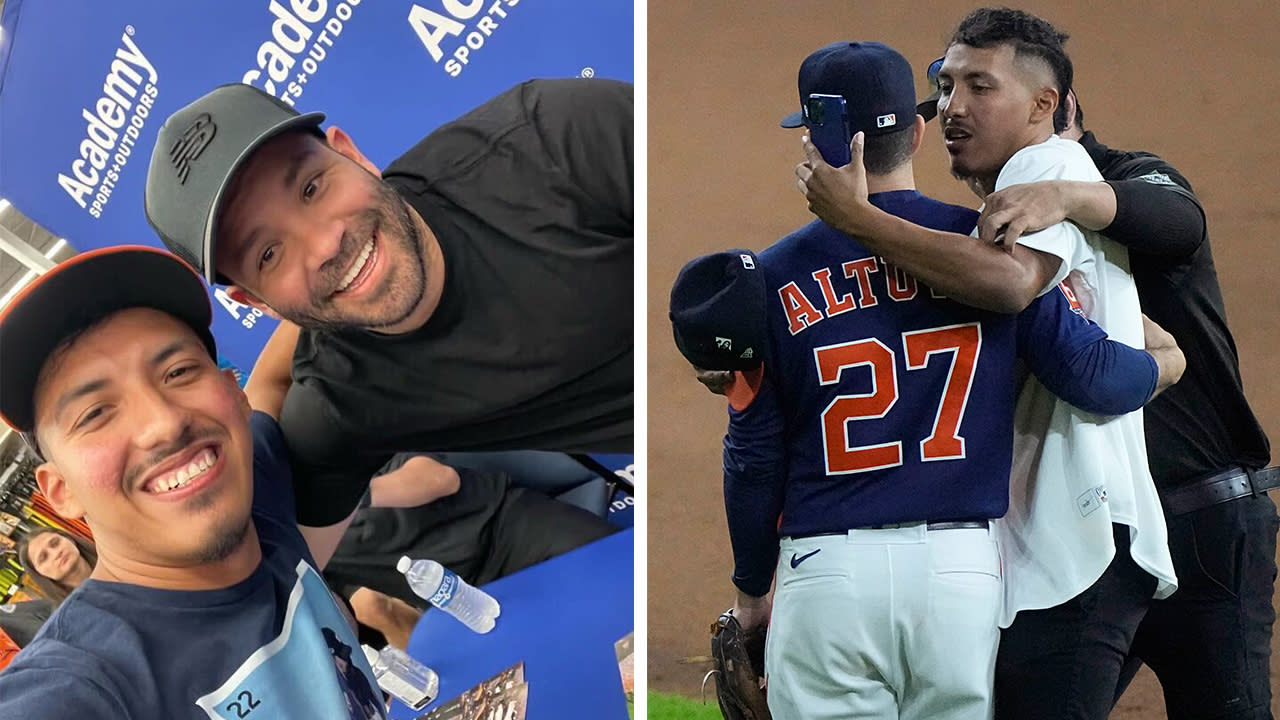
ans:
(879, 429)
(1084, 520)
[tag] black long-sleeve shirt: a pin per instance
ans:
(1203, 424)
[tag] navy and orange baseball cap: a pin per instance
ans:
(718, 311)
(79, 292)
(874, 80)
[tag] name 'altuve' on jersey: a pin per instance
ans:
(884, 402)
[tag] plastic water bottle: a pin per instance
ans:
(437, 584)
(411, 682)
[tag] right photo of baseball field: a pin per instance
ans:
(961, 340)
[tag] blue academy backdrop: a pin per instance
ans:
(85, 85)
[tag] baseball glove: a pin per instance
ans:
(739, 669)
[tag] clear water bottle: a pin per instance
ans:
(408, 680)
(436, 583)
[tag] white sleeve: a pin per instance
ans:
(1054, 159)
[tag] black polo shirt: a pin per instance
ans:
(1203, 424)
(531, 347)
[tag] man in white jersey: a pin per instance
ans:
(1084, 545)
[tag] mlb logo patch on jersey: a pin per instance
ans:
(885, 121)
(1091, 500)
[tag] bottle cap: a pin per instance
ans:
(403, 565)
(370, 654)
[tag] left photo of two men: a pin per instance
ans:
(321, 398)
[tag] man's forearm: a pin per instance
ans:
(960, 267)
(418, 481)
(1091, 205)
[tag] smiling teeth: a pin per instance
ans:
(184, 475)
(357, 267)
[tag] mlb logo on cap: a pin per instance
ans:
(718, 311)
(874, 79)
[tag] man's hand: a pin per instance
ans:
(752, 612)
(1168, 356)
(717, 381)
(1021, 209)
(737, 650)
(837, 195)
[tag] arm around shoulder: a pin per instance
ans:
(272, 374)
(1157, 216)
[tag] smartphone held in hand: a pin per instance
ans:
(828, 125)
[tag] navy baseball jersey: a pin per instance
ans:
(887, 403)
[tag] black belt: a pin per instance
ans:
(942, 525)
(1219, 488)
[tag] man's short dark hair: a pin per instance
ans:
(882, 154)
(1029, 35)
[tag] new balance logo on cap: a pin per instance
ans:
(191, 143)
(884, 121)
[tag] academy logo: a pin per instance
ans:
(458, 29)
(112, 127)
(291, 35)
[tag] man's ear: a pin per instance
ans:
(917, 134)
(1069, 107)
(1044, 103)
(244, 297)
(339, 140)
(54, 486)
(242, 399)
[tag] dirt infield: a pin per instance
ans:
(1198, 83)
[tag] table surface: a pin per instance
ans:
(561, 617)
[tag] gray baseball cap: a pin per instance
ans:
(197, 153)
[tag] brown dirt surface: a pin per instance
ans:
(1195, 82)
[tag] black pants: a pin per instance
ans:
(486, 530)
(1210, 642)
(1066, 661)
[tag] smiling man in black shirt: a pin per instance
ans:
(477, 295)
(1210, 642)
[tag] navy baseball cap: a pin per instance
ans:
(197, 153)
(874, 80)
(928, 107)
(75, 294)
(718, 311)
